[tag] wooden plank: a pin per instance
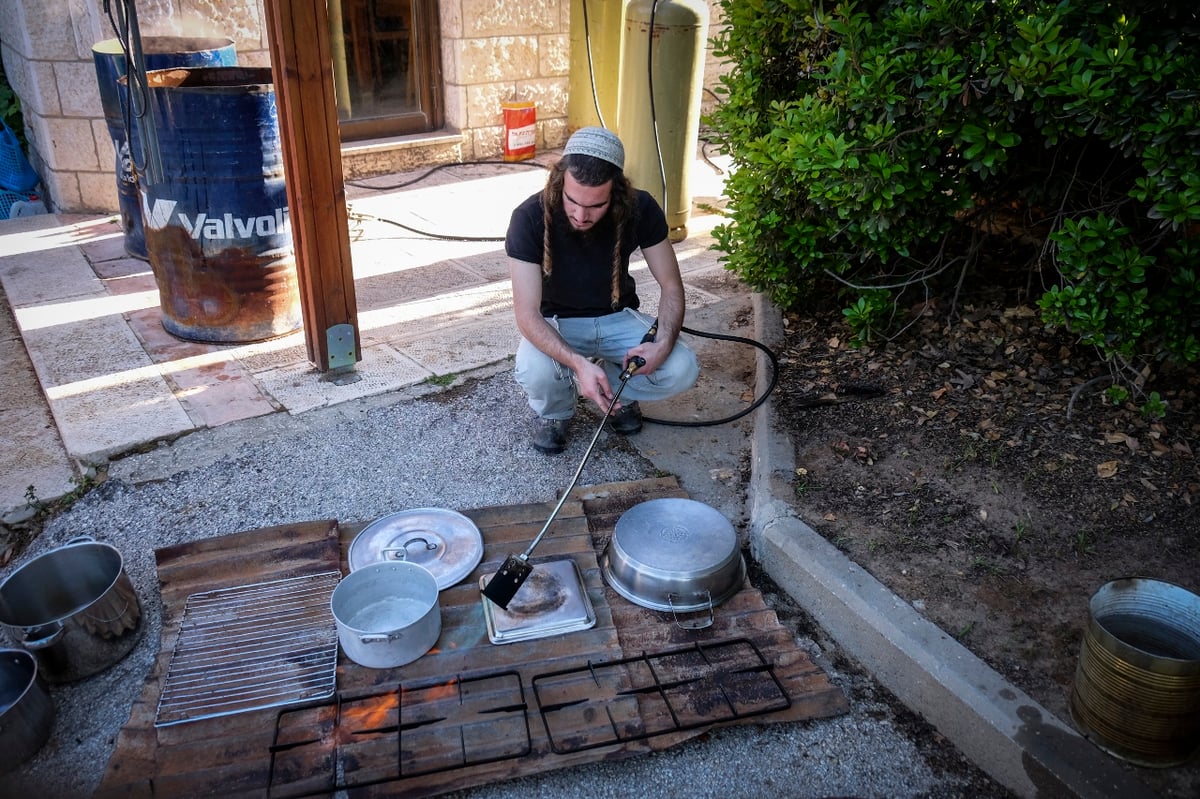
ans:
(203, 565)
(270, 553)
(606, 504)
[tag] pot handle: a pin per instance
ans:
(403, 549)
(81, 539)
(380, 638)
(46, 636)
(695, 624)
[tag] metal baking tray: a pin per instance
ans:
(552, 601)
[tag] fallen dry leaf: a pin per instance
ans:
(1107, 469)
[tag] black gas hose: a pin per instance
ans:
(759, 401)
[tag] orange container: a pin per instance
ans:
(520, 130)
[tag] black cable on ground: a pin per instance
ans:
(759, 401)
(438, 167)
(716, 336)
(361, 217)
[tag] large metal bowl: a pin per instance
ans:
(674, 555)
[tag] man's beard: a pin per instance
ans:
(591, 234)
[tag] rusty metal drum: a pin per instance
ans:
(160, 52)
(216, 218)
(1137, 684)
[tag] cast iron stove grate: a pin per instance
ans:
(619, 701)
(252, 647)
(413, 730)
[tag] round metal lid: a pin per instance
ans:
(445, 542)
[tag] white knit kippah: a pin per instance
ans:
(599, 143)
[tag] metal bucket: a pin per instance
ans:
(26, 712)
(217, 227)
(1137, 684)
(74, 608)
(160, 52)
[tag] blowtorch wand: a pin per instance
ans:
(516, 568)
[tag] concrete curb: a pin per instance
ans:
(999, 727)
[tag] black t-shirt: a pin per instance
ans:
(581, 282)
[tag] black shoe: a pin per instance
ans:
(628, 420)
(549, 435)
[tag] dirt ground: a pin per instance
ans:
(979, 471)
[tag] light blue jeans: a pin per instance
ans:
(550, 386)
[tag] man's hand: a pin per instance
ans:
(593, 384)
(652, 352)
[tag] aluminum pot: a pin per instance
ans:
(26, 712)
(387, 613)
(74, 608)
(675, 555)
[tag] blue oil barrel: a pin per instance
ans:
(160, 52)
(216, 221)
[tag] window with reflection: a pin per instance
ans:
(386, 67)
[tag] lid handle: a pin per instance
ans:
(401, 552)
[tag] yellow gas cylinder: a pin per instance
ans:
(658, 115)
(597, 29)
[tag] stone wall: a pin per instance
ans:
(492, 50)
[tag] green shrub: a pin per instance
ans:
(914, 147)
(10, 108)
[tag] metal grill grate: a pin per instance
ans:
(436, 727)
(252, 647)
(635, 698)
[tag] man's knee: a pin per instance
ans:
(682, 369)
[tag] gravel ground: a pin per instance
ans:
(461, 448)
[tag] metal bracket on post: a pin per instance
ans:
(339, 340)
